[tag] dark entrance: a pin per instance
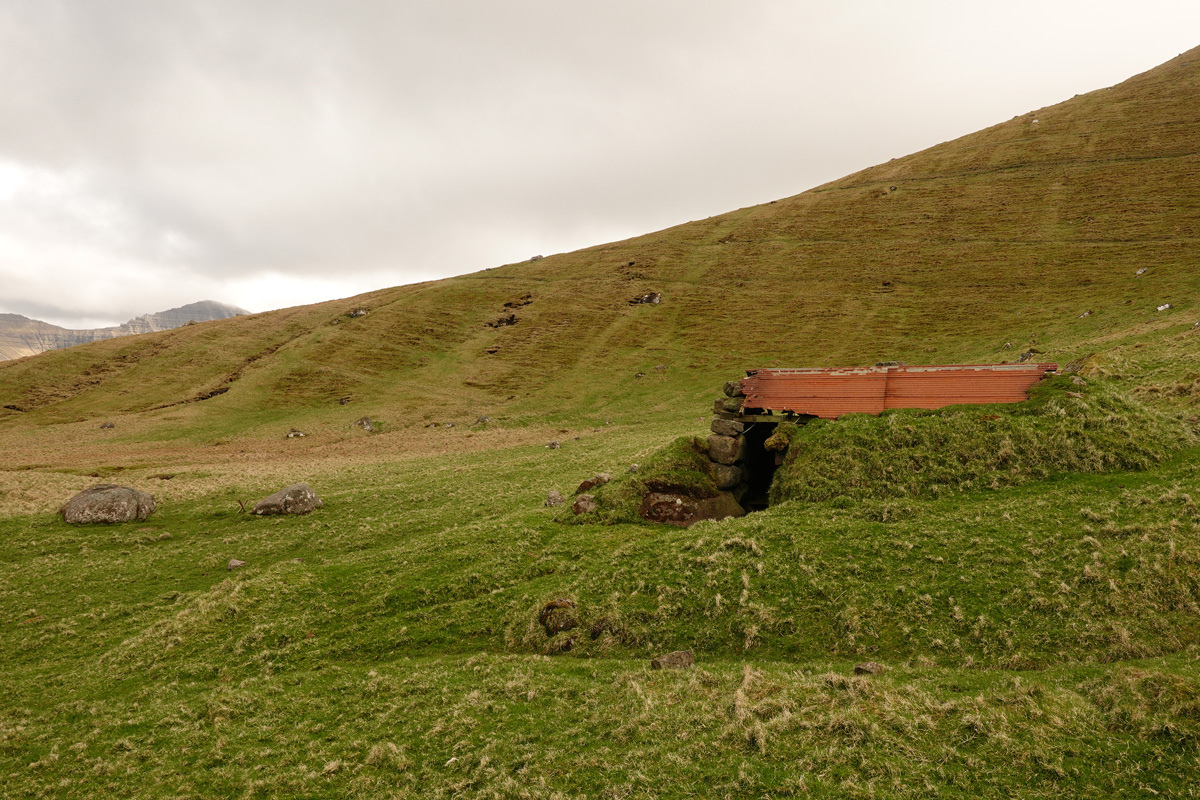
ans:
(759, 466)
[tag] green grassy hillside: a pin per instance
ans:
(1028, 576)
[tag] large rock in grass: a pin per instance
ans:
(108, 503)
(295, 499)
(683, 510)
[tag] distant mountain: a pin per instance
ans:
(21, 336)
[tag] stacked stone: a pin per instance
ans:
(727, 445)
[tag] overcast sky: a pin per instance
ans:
(268, 154)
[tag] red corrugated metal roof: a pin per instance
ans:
(831, 392)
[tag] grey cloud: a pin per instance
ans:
(187, 146)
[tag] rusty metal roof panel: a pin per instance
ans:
(832, 392)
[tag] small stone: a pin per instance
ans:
(869, 668)
(660, 367)
(448, 425)
(640, 375)
(366, 424)
(295, 433)
(483, 420)
(295, 499)
(680, 659)
(727, 427)
(591, 483)
(234, 564)
(1078, 381)
(554, 498)
(344, 400)
(107, 426)
(733, 388)
(1085, 314)
(1140, 272)
(585, 504)
(358, 312)
(632, 468)
(553, 445)
(1165, 306)
(536, 258)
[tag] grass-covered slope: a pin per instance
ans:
(946, 256)
(403, 654)
(1029, 576)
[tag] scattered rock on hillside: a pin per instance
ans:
(591, 483)
(108, 503)
(679, 509)
(536, 258)
(524, 301)
(584, 504)
(366, 424)
(553, 445)
(358, 312)
(1085, 314)
(1141, 271)
(554, 498)
(649, 298)
(1078, 381)
(558, 616)
(107, 426)
(632, 468)
(295, 433)
(483, 420)
(503, 322)
(869, 668)
(235, 563)
(295, 499)
(344, 400)
(680, 659)
(1164, 307)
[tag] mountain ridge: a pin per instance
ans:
(21, 336)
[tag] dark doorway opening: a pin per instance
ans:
(759, 466)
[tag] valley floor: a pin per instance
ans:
(1040, 640)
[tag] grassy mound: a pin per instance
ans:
(1063, 427)
(681, 467)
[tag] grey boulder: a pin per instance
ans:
(108, 503)
(295, 499)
